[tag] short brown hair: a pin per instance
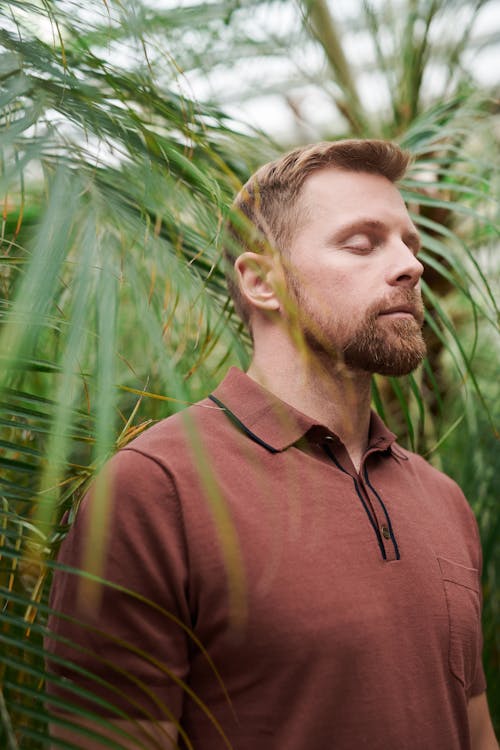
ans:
(264, 213)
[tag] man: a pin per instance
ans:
(302, 582)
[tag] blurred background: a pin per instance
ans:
(126, 129)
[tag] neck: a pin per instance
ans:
(337, 397)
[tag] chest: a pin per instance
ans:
(300, 549)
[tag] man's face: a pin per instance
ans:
(352, 273)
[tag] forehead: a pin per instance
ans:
(332, 195)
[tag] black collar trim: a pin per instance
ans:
(242, 426)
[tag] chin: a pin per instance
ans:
(396, 370)
(382, 359)
(400, 362)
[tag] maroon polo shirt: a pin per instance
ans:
(282, 599)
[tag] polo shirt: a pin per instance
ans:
(283, 601)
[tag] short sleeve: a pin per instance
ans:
(125, 643)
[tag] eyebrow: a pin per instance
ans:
(359, 224)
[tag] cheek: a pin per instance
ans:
(325, 283)
(336, 293)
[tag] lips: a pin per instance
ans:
(400, 309)
(404, 310)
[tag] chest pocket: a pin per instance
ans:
(461, 588)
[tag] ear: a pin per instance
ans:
(258, 277)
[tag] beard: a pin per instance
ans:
(387, 347)
(378, 344)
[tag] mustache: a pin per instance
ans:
(410, 299)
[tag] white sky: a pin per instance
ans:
(272, 114)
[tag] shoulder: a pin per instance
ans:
(164, 461)
(430, 478)
(168, 441)
(439, 494)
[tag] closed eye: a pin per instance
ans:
(359, 242)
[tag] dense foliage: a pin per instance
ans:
(113, 310)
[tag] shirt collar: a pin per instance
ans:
(274, 423)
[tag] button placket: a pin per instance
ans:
(379, 520)
(385, 525)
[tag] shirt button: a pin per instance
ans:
(386, 533)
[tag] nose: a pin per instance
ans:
(406, 269)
